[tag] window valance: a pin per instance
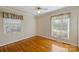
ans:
(11, 16)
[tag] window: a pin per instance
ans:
(12, 25)
(60, 26)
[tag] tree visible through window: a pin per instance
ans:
(12, 25)
(60, 26)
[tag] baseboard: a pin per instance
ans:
(17, 40)
(34, 36)
(57, 40)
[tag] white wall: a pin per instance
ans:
(40, 26)
(28, 28)
(43, 24)
(78, 27)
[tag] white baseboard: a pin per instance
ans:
(16, 40)
(32, 36)
(56, 40)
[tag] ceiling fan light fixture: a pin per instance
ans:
(38, 12)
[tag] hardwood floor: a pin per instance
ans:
(38, 44)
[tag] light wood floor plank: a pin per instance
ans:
(38, 44)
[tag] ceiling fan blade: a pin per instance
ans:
(40, 8)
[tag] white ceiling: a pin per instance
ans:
(32, 10)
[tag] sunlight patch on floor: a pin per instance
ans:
(56, 48)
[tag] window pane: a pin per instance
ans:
(60, 26)
(12, 25)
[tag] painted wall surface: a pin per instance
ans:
(44, 26)
(28, 28)
(78, 28)
(40, 26)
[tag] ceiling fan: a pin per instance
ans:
(39, 9)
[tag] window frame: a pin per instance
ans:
(5, 29)
(68, 25)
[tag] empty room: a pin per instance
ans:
(39, 28)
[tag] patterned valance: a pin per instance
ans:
(11, 16)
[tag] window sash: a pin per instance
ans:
(63, 21)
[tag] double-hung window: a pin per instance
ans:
(60, 26)
(12, 25)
